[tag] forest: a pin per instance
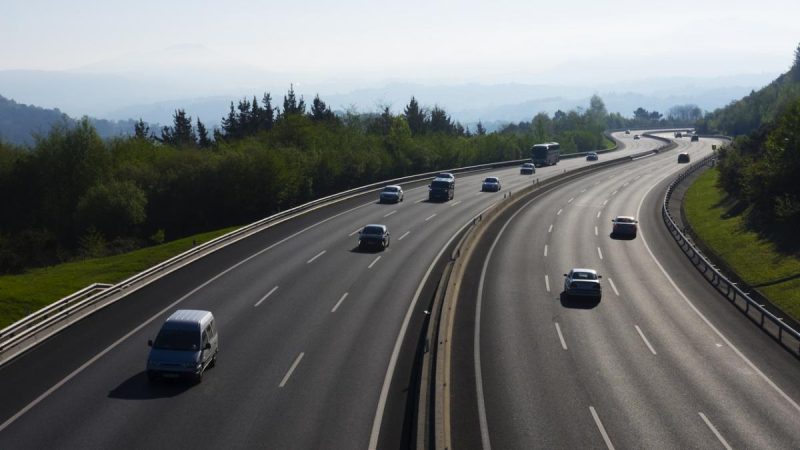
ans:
(74, 195)
(759, 170)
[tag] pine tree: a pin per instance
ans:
(320, 112)
(268, 116)
(292, 106)
(230, 124)
(202, 135)
(181, 134)
(415, 117)
(141, 130)
(479, 129)
(440, 121)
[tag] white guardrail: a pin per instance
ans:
(42, 324)
(774, 325)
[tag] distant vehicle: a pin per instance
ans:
(186, 346)
(441, 189)
(546, 154)
(491, 184)
(527, 169)
(636, 136)
(447, 175)
(678, 134)
(683, 158)
(373, 236)
(583, 282)
(627, 131)
(592, 156)
(391, 194)
(624, 226)
(695, 138)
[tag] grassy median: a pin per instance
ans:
(23, 294)
(755, 260)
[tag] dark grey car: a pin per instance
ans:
(373, 236)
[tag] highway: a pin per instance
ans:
(661, 361)
(316, 338)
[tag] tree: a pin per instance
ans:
(141, 130)
(202, 135)
(268, 116)
(440, 122)
(114, 208)
(230, 124)
(415, 117)
(479, 129)
(292, 106)
(181, 134)
(320, 112)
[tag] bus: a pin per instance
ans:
(546, 154)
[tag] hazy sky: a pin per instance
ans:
(490, 41)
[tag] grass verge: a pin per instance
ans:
(755, 260)
(23, 294)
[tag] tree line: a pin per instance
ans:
(759, 169)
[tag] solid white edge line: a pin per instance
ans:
(613, 286)
(697, 311)
(545, 249)
(291, 370)
(389, 214)
(373, 262)
(547, 283)
(550, 230)
(715, 431)
(561, 337)
(316, 256)
(601, 428)
(430, 217)
(119, 341)
(404, 235)
(336, 306)
(599, 253)
(265, 297)
(387, 381)
(652, 350)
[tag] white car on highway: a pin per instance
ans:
(583, 282)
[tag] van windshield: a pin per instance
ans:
(177, 340)
(440, 185)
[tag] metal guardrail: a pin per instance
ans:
(20, 329)
(778, 328)
(73, 304)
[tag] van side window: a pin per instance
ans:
(205, 337)
(211, 330)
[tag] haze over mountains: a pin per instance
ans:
(151, 85)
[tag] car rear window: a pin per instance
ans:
(373, 230)
(584, 276)
(390, 189)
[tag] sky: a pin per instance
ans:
(500, 41)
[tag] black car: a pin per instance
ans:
(683, 158)
(373, 236)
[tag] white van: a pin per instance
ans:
(186, 346)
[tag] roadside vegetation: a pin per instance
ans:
(720, 223)
(23, 294)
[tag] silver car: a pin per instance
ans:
(491, 184)
(583, 282)
(391, 194)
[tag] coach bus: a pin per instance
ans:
(546, 154)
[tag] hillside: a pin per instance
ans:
(758, 108)
(19, 123)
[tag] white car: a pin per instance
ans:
(391, 194)
(583, 282)
(491, 184)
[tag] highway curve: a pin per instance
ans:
(310, 336)
(662, 361)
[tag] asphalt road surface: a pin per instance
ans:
(315, 337)
(661, 361)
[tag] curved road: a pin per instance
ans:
(315, 338)
(662, 361)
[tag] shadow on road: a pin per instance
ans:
(138, 388)
(579, 302)
(618, 237)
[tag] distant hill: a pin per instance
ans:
(760, 107)
(19, 123)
